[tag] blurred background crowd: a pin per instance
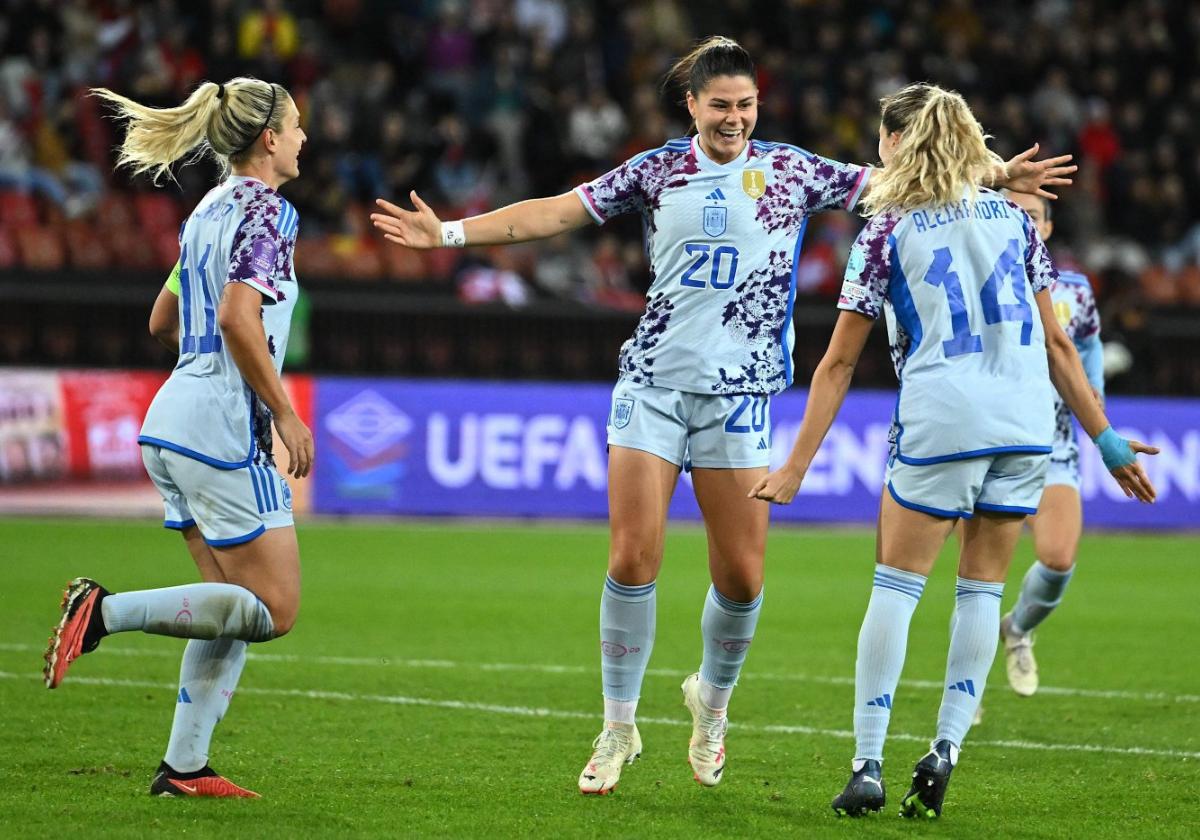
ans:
(476, 103)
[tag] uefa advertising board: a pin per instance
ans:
(418, 447)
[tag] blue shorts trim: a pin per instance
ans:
(1005, 508)
(245, 538)
(199, 456)
(974, 453)
(932, 511)
(179, 526)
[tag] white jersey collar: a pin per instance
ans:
(707, 163)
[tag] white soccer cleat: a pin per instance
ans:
(706, 750)
(1018, 659)
(617, 744)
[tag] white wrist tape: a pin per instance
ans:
(453, 235)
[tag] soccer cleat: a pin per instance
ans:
(617, 744)
(78, 631)
(1018, 659)
(864, 792)
(931, 777)
(203, 782)
(706, 749)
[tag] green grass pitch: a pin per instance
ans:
(401, 705)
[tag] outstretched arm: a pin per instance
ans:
(830, 382)
(1024, 175)
(524, 221)
(1066, 372)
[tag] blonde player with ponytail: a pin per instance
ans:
(953, 267)
(207, 440)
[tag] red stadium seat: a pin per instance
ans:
(166, 248)
(131, 250)
(315, 259)
(400, 263)
(17, 209)
(157, 211)
(115, 212)
(86, 247)
(362, 263)
(8, 249)
(40, 248)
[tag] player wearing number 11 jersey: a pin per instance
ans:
(206, 441)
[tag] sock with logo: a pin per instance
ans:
(1041, 591)
(626, 639)
(728, 629)
(974, 635)
(194, 611)
(208, 677)
(882, 643)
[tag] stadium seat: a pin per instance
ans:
(115, 212)
(9, 257)
(40, 248)
(403, 264)
(17, 209)
(166, 249)
(86, 247)
(157, 211)
(130, 249)
(314, 259)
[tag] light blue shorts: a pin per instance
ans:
(698, 430)
(1064, 463)
(228, 506)
(1005, 483)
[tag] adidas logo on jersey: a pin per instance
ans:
(715, 195)
(762, 444)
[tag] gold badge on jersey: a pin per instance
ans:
(1062, 311)
(754, 183)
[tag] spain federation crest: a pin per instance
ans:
(1062, 311)
(622, 412)
(754, 183)
(715, 219)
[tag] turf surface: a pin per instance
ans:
(401, 705)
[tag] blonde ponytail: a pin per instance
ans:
(222, 120)
(942, 149)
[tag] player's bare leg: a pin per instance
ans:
(737, 537)
(1057, 528)
(640, 486)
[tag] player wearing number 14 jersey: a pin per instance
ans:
(963, 280)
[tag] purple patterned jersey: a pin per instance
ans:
(1075, 309)
(723, 241)
(956, 285)
(241, 232)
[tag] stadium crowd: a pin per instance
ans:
(475, 103)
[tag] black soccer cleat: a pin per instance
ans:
(931, 777)
(169, 782)
(864, 792)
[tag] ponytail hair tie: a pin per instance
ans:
(220, 91)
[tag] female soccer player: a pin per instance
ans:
(1059, 520)
(724, 217)
(949, 264)
(207, 440)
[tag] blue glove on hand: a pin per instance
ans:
(1114, 449)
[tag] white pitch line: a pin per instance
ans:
(541, 668)
(536, 712)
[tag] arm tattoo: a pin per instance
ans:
(510, 232)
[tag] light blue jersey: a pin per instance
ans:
(723, 242)
(241, 232)
(957, 286)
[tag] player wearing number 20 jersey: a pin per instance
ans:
(241, 232)
(723, 242)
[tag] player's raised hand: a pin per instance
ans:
(419, 229)
(779, 487)
(1132, 477)
(1026, 175)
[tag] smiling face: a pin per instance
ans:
(725, 113)
(284, 146)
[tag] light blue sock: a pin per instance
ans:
(626, 639)
(974, 635)
(193, 611)
(1041, 591)
(882, 642)
(728, 629)
(208, 677)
